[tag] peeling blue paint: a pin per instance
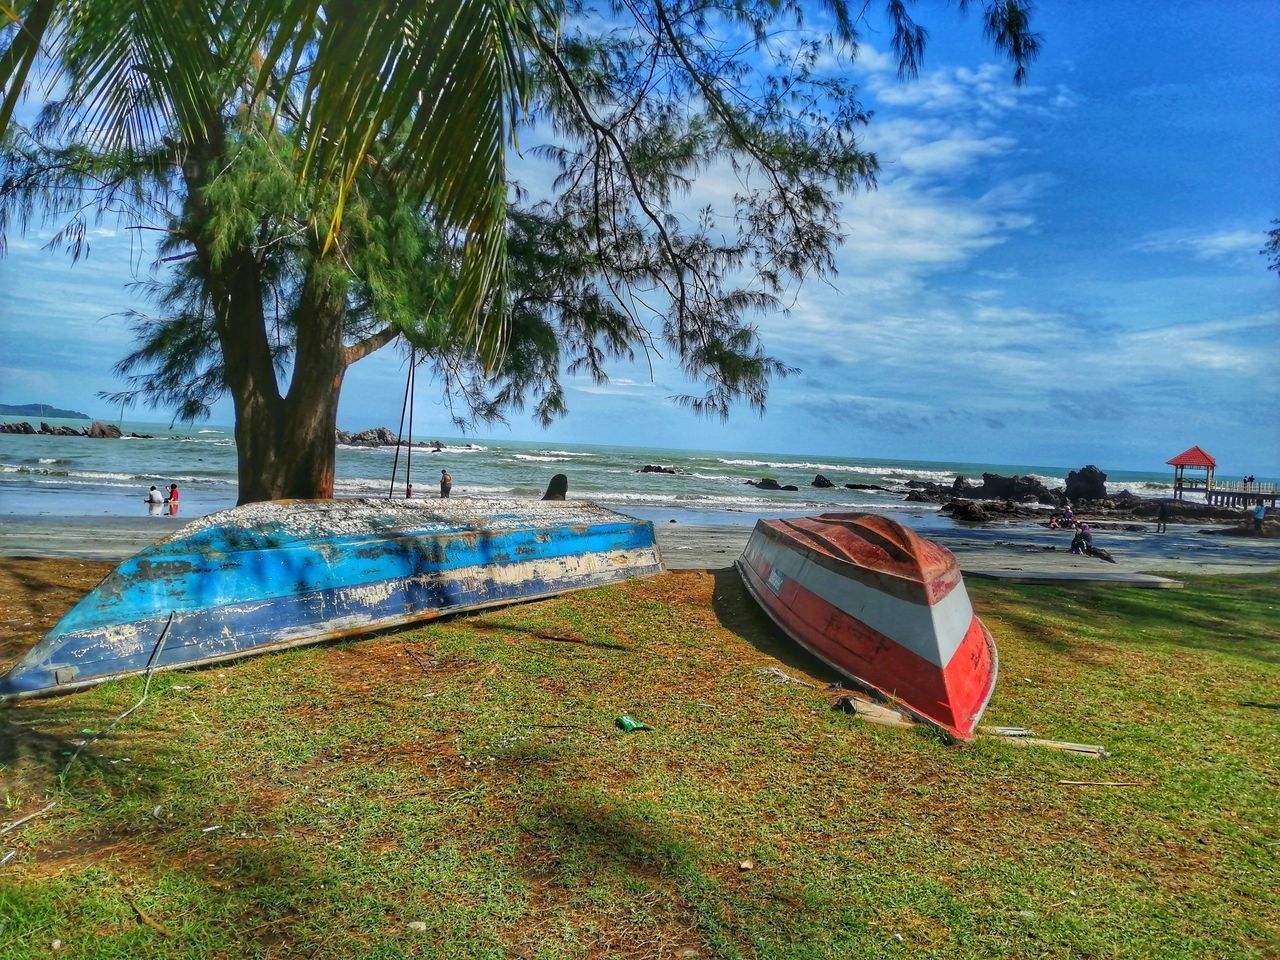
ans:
(246, 583)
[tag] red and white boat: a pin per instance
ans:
(882, 605)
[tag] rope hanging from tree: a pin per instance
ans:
(410, 393)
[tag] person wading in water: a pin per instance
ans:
(446, 483)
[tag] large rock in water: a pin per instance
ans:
(375, 437)
(1087, 483)
(821, 481)
(61, 431)
(22, 427)
(997, 487)
(656, 468)
(768, 483)
(103, 431)
(966, 511)
(926, 491)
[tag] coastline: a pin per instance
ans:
(1008, 545)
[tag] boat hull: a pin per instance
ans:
(881, 605)
(270, 576)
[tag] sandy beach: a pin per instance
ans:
(1012, 546)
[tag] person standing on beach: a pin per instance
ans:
(446, 483)
(1162, 517)
(1259, 514)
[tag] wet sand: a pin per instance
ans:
(1015, 546)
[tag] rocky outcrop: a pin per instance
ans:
(966, 511)
(821, 481)
(99, 431)
(1178, 509)
(1007, 508)
(926, 491)
(103, 431)
(768, 483)
(926, 496)
(997, 487)
(1087, 483)
(864, 486)
(557, 488)
(656, 468)
(375, 437)
(60, 431)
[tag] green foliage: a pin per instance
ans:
(354, 158)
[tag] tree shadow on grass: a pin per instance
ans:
(486, 625)
(739, 613)
(37, 743)
(1205, 616)
(592, 855)
(42, 591)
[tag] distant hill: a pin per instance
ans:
(39, 410)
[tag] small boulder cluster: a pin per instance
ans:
(96, 430)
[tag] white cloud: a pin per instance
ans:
(1204, 245)
(984, 90)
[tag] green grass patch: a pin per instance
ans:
(467, 776)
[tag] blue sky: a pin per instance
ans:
(1058, 274)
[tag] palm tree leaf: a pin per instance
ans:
(17, 58)
(451, 74)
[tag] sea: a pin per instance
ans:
(78, 476)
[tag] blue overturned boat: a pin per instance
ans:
(268, 576)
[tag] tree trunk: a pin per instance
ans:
(286, 451)
(286, 445)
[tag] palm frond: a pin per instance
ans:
(30, 22)
(451, 74)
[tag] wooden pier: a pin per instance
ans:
(1231, 493)
(1228, 493)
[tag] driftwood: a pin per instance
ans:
(887, 715)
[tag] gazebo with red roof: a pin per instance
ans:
(1197, 459)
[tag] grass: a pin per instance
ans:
(467, 776)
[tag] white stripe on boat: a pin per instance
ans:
(933, 632)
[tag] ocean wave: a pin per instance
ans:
(567, 453)
(1143, 488)
(1053, 483)
(109, 479)
(787, 464)
(418, 448)
(902, 474)
(538, 458)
